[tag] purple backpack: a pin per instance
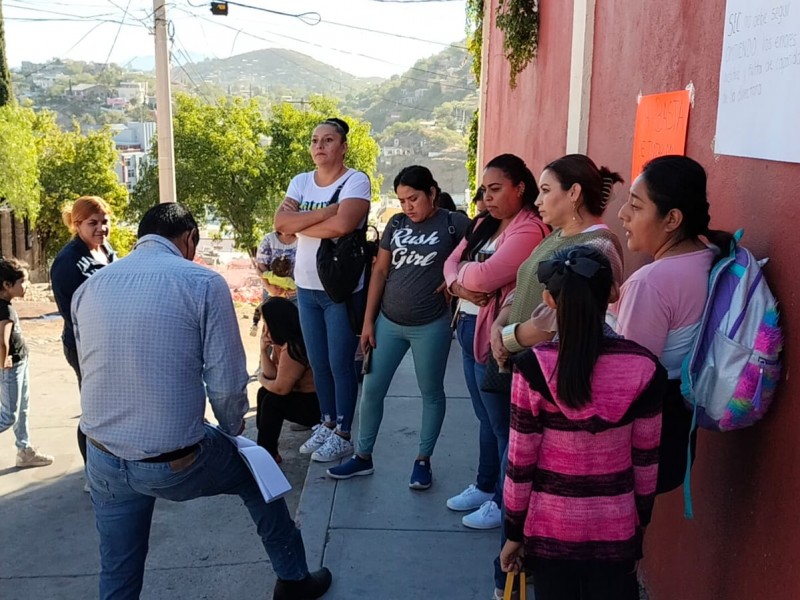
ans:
(728, 379)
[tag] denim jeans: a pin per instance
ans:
(124, 494)
(430, 345)
(493, 412)
(331, 347)
(14, 399)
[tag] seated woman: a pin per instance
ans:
(287, 384)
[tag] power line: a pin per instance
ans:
(63, 14)
(306, 69)
(114, 43)
(351, 53)
(309, 18)
(347, 25)
(376, 59)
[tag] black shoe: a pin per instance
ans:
(313, 586)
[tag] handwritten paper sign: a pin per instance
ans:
(758, 115)
(661, 123)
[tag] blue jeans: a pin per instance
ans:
(493, 412)
(124, 494)
(430, 345)
(331, 347)
(14, 400)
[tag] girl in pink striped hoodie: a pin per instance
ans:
(583, 449)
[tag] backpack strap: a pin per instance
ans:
(451, 229)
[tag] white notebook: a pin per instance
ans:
(268, 475)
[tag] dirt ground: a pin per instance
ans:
(42, 325)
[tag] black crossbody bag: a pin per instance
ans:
(341, 262)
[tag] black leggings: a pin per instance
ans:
(71, 354)
(584, 580)
(272, 410)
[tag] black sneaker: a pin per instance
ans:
(313, 586)
(421, 475)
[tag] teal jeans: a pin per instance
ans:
(430, 345)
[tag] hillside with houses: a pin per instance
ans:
(419, 117)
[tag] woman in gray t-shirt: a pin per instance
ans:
(407, 308)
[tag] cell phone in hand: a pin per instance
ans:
(367, 364)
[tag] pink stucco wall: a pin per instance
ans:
(745, 538)
(530, 121)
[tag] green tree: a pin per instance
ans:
(122, 238)
(233, 163)
(6, 94)
(72, 164)
(18, 160)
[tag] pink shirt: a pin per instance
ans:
(661, 304)
(497, 273)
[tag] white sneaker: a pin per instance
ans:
(488, 516)
(470, 499)
(334, 448)
(31, 457)
(319, 437)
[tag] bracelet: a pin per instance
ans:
(510, 338)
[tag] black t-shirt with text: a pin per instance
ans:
(418, 254)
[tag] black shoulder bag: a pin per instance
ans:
(341, 262)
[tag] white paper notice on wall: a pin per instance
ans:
(759, 82)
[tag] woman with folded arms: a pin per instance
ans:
(481, 271)
(309, 212)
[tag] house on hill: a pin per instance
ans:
(86, 91)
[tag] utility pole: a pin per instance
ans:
(166, 150)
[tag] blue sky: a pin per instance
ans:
(86, 30)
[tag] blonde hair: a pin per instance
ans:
(83, 208)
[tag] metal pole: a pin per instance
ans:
(166, 150)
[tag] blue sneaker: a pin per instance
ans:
(421, 475)
(353, 467)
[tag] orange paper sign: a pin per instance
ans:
(661, 123)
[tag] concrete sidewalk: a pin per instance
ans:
(381, 539)
(384, 541)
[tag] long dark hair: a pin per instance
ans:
(579, 278)
(419, 178)
(596, 183)
(518, 172)
(283, 321)
(679, 182)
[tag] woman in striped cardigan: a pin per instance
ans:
(583, 449)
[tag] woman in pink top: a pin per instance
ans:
(481, 271)
(583, 452)
(660, 305)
